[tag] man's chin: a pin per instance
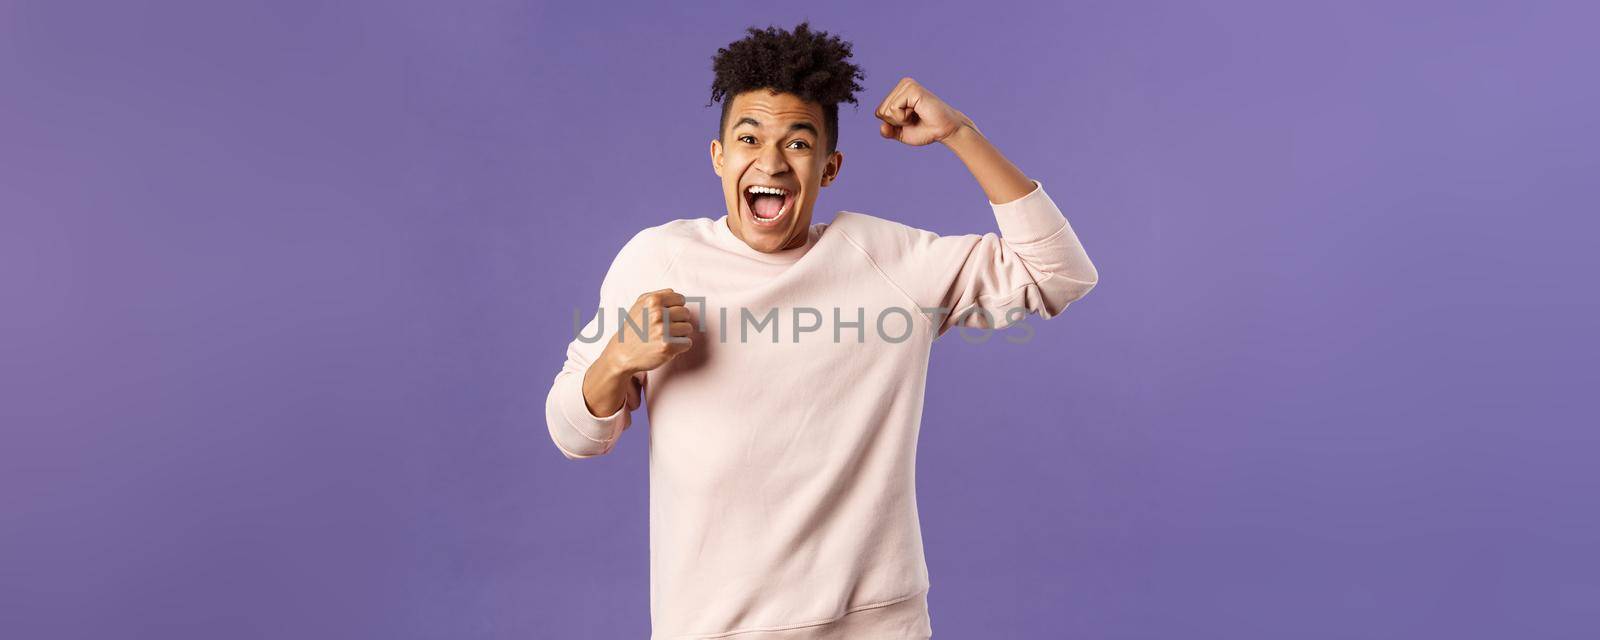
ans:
(763, 243)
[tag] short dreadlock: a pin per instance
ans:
(810, 64)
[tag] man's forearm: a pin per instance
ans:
(1002, 181)
(605, 387)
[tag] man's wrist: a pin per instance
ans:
(963, 137)
(605, 382)
(608, 369)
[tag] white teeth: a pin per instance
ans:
(768, 190)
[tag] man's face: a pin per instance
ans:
(773, 141)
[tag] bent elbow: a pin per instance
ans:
(577, 439)
(1066, 290)
(573, 455)
(573, 445)
(1064, 279)
(1081, 288)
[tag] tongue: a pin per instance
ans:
(767, 206)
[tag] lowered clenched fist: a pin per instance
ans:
(654, 331)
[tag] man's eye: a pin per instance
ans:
(750, 138)
(803, 144)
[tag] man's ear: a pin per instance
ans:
(716, 157)
(830, 171)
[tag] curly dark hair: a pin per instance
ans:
(810, 64)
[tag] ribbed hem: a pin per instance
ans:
(576, 411)
(901, 619)
(1031, 218)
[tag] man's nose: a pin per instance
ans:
(771, 161)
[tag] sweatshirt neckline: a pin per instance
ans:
(732, 243)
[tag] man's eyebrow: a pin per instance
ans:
(801, 126)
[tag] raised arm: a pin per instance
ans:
(1035, 265)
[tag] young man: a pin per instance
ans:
(782, 445)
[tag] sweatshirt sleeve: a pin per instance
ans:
(577, 432)
(1035, 265)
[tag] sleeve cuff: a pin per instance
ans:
(1031, 218)
(576, 411)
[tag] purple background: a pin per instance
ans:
(285, 283)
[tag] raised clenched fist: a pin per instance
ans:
(913, 115)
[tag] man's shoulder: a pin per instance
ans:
(850, 220)
(669, 235)
(655, 247)
(874, 234)
(674, 231)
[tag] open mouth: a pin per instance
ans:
(768, 205)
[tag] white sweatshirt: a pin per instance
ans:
(782, 472)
